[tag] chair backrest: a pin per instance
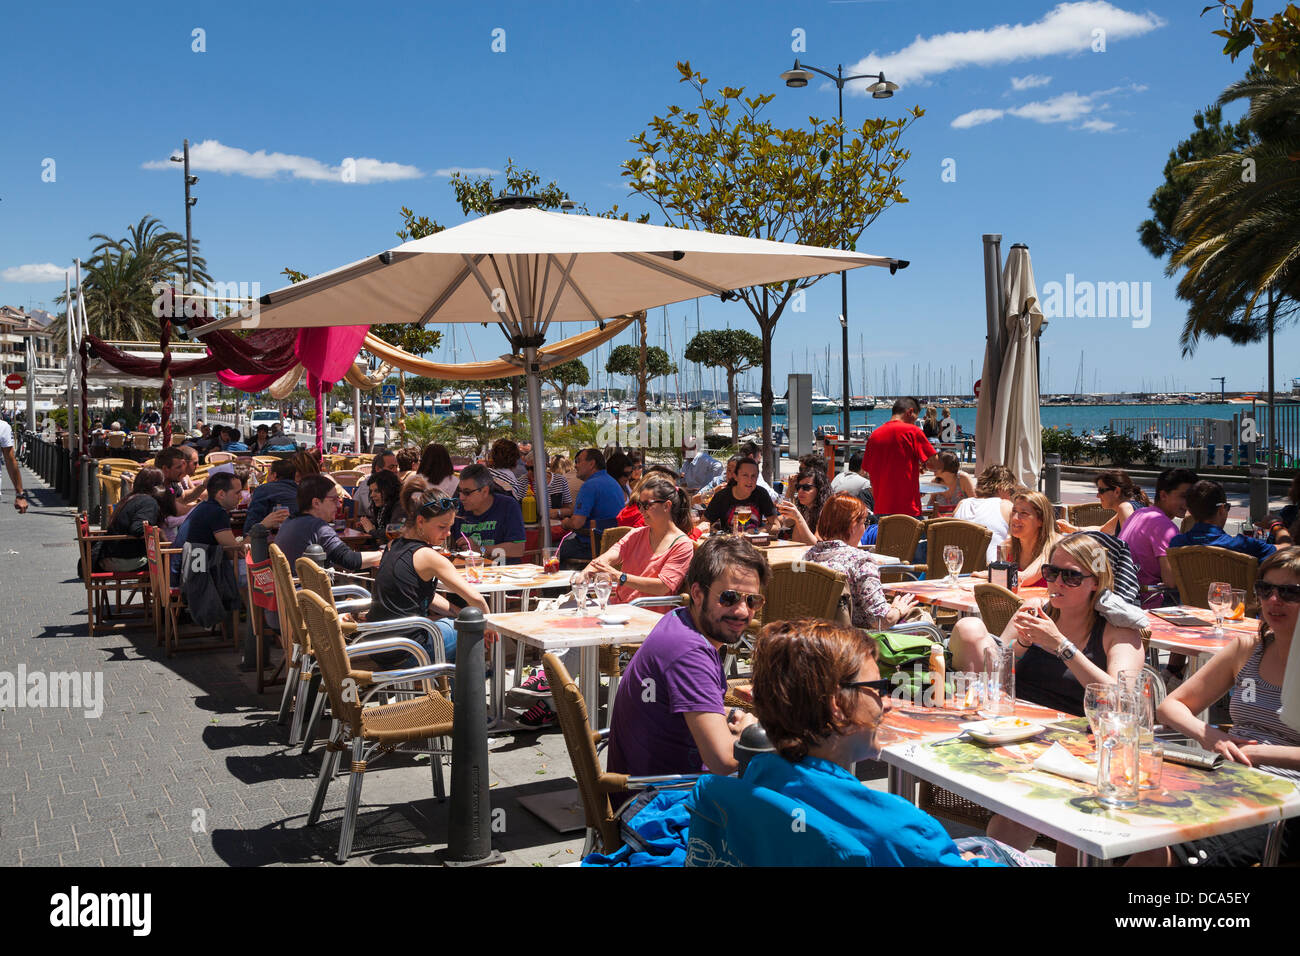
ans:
(261, 583)
(220, 457)
(571, 710)
(799, 589)
(313, 578)
(610, 536)
(115, 466)
(1196, 567)
(349, 479)
(111, 489)
(286, 596)
(996, 605)
(178, 439)
(972, 538)
(898, 536)
(140, 440)
(1089, 514)
(153, 561)
(734, 823)
(117, 439)
(322, 622)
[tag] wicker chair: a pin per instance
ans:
(996, 605)
(371, 731)
(140, 441)
(291, 628)
(972, 538)
(220, 457)
(1195, 568)
(595, 786)
(1090, 514)
(899, 536)
(610, 536)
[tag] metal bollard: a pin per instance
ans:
(85, 474)
(314, 553)
(1258, 493)
(752, 740)
(1052, 478)
(469, 821)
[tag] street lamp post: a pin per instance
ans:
(881, 89)
(164, 325)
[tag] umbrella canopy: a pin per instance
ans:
(1013, 433)
(526, 268)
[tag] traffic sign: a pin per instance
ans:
(389, 391)
(14, 381)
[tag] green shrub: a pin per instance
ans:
(338, 418)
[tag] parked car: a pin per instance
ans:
(270, 417)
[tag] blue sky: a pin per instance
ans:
(1051, 143)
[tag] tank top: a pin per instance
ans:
(1043, 678)
(950, 499)
(399, 591)
(1253, 707)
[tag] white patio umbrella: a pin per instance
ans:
(1011, 422)
(525, 269)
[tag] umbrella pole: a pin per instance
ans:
(541, 480)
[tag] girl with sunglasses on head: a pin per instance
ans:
(1116, 491)
(1033, 535)
(651, 560)
(1251, 670)
(407, 581)
(1060, 647)
(800, 512)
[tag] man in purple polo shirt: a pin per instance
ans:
(669, 715)
(1148, 531)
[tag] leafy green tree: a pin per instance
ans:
(626, 360)
(732, 350)
(564, 376)
(721, 166)
(1274, 42)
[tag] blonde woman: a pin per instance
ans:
(1033, 533)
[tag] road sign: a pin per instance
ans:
(14, 381)
(389, 391)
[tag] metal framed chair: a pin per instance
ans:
(261, 601)
(369, 732)
(596, 786)
(1196, 567)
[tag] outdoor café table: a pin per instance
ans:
(960, 597)
(495, 582)
(1190, 803)
(1197, 644)
(559, 629)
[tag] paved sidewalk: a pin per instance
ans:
(186, 765)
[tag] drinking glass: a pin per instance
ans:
(1238, 605)
(1151, 761)
(1117, 755)
(394, 530)
(1139, 695)
(550, 560)
(602, 586)
(578, 585)
(1000, 681)
(1097, 699)
(1220, 600)
(740, 519)
(953, 557)
(474, 567)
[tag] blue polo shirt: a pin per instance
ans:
(600, 499)
(1212, 535)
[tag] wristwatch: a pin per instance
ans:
(622, 579)
(1066, 651)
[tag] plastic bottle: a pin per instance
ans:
(529, 507)
(938, 677)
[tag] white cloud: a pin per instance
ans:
(215, 157)
(35, 272)
(1066, 108)
(449, 171)
(1066, 29)
(976, 118)
(1029, 82)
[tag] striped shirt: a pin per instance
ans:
(1254, 710)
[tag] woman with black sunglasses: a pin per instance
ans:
(802, 510)
(1251, 669)
(407, 581)
(1117, 492)
(651, 560)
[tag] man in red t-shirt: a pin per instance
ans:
(897, 451)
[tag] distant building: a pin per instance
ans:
(16, 326)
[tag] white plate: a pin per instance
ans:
(989, 731)
(614, 617)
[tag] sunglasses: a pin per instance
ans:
(1290, 593)
(464, 492)
(647, 505)
(437, 506)
(881, 687)
(1069, 577)
(730, 598)
(808, 487)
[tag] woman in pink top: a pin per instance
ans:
(651, 560)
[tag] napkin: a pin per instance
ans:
(1061, 762)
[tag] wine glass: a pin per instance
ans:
(1220, 600)
(953, 558)
(394, 530)
(1097, 699)
(578, 585)
(741, 518)
(602, 586)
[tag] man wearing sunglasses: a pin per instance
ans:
(494, 520)
(669, 715)
(318, 501)
(1209, 506)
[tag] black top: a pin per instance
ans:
(1043, 678)
(399, 591)
(130, 518)
(724, 502)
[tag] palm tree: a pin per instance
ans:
(119, 278)
(1241, 228)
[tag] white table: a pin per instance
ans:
(561, 629)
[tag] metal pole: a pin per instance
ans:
(356, 420)
(844, 276)
(31, 383)
(469, 821)
(993, 310)
(541, 479)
